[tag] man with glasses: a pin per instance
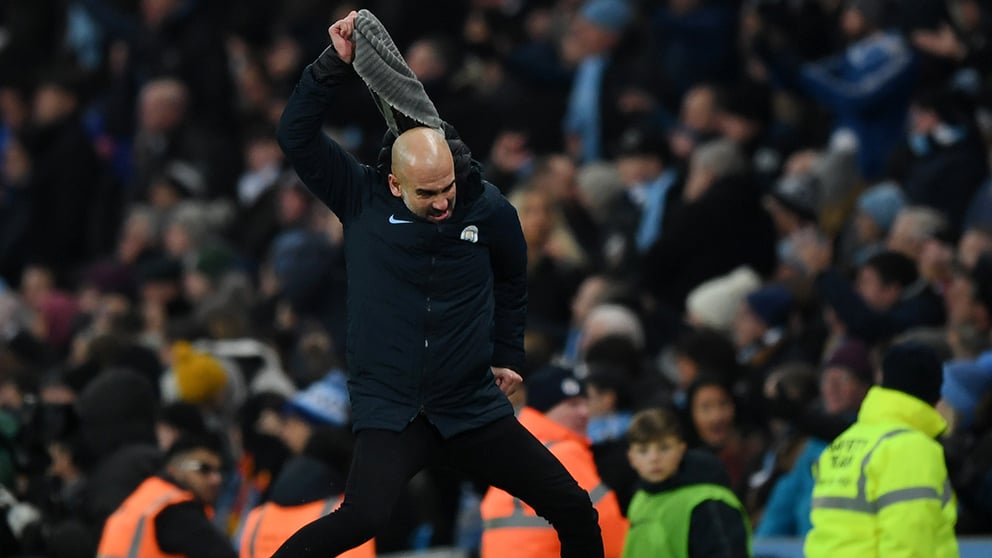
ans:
(169, 514)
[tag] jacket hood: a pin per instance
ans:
(698, 467)
(109, 421)
(887, 405)
(965, 384)
(112, 480)
(468, 171)
(304, 480)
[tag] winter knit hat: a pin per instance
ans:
(324, 402)
(183, 416)
(611, 15)
(772, 304)
(966, 383)
(882, 203)
(115, 409)
(551, 385)
(715, 302)
(852, 355)
(199, 376)
(799, 194)
(642, 140)
(913, 369)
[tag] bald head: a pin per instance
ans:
(423, 173)
(419, 149)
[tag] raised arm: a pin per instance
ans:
(894, 70)
(330, 172)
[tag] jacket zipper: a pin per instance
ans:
(427, 343)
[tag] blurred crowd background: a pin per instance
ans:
(730, 207)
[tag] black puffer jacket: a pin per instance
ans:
(431, 306)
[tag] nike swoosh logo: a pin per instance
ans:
(395, 221)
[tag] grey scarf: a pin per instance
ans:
(398, 94)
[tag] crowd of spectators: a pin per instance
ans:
(731, 208)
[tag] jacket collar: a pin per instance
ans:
(887, 405)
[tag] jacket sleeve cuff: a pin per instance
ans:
(329, 69)
(509, 358)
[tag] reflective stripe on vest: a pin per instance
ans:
(860, 502)
(135, 548)
(598, 493)
(254, 532)
(519, 518)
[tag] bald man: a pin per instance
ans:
(436, 308)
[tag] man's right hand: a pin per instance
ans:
(340, 34)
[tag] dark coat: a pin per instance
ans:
(551, 287)
(304, 480)
(723, 229)
(431, 307)
(114, 478)
(947, 177)
(921, 308)
(65, 188)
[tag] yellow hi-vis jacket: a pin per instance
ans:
(881, 487)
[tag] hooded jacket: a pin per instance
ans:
(882, 487)
(118, 434)
(431, 306)
(867, 87)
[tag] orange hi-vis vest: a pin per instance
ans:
(512, 528)
(130, 531)
(270, 525)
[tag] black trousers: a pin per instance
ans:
(502, 453)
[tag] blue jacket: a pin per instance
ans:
(430, 306)
(868, 90)
(787, 511)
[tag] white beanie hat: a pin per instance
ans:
(714, 303)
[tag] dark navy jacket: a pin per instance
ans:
(430, 306)
(920, 306)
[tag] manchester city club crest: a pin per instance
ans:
(470, 234)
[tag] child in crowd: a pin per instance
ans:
(684, 506)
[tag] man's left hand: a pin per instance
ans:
(507, 380)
